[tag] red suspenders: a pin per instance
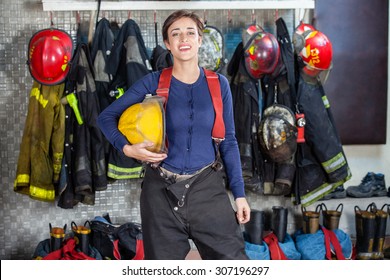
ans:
(218, 133)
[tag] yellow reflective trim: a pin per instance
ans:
(22, 179)
(35, 92)
(124, 169)
(313, 196)
(122, 177)
(117, 172)
(334, 163)
(326, 102)
(57, 168)
(58, 156)
(40, 193)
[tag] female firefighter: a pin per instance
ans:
(183, 191)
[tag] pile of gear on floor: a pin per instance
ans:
(266, 236)
(98, 239)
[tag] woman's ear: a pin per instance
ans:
(200, 40)
(167, 45)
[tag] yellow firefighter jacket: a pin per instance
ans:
(41, 149)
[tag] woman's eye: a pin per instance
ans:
(192, 33)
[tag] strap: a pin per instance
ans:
(218, 133)
(116, 253)
(67, 252)
(331, 238)
(139, 250)
(287, 54)
(276, 252)
(164, 84)
(98, 12)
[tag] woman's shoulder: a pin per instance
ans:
(149, 81)
(222, 78)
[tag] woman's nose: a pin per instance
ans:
(183, 37)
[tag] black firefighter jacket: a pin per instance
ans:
(321, 162)
(84, 143)
(127, 63)
(246, 113)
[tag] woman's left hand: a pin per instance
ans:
(243, 210)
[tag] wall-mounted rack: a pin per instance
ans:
(73, 5)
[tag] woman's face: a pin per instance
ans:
(183, 39)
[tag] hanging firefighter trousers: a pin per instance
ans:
(196, 208)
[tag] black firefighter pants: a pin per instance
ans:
(197, 208)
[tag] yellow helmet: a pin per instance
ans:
(145, 122)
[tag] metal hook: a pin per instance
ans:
(78, 19)
(229, 17)
(51, 19)
(304, 15)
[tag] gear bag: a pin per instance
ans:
(120, 242)
(324, 244)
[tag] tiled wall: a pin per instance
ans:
(23, 221)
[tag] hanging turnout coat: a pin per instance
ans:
(41, 150)
(246, 100)
(321, 162)
(127, 63)
(85, 159)
(102, 43)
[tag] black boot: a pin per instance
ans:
(365, 233)
(279, 222)
(380, 230)
(81, 234)
(331, 218)
(57, 236)
(254, 228)
(311, 220)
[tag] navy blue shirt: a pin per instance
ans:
(189, 121)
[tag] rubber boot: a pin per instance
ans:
(81, 235)
(254, 228)
(311, 220)
(386, 251)
(380, 230)
(279, 222)
(57, 236)
(365, 233)
(331, 218)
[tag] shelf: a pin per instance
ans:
(73, 5)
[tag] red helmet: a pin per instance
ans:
(316, 53)
(49, 55)
(261, 54)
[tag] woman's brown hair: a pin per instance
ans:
(178, 15)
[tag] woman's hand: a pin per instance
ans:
(243, 210)
(140, 152)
